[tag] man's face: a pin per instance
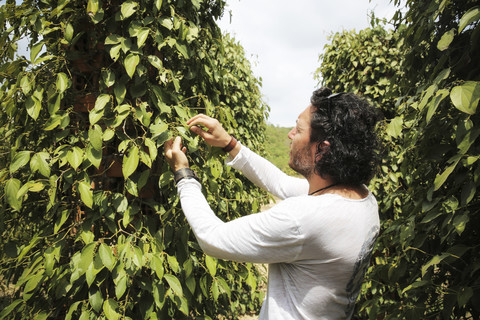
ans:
(302, 152)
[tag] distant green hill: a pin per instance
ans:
(277, 147)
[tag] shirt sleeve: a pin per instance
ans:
(268, 237)
(266, 175)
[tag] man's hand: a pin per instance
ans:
(175, 154)
(215, 135)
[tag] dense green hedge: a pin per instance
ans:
(426, 263)
(106, 84)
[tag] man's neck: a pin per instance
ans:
(316, 182)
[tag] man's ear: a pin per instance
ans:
(324, 147)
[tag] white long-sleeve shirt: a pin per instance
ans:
(317, 247)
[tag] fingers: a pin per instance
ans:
(206, 121)
(198, 119)
(177, 144)
(175, 153)
(202, 133)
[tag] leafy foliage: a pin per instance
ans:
(363, 63)
(426, 262)
(91, 225)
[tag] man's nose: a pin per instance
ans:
(291, 134)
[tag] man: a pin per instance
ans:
(317, 241)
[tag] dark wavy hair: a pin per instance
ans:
(348, 123)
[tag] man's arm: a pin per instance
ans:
(257, 169)
(269, 237)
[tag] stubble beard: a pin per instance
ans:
(301, 163)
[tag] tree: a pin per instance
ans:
(106, 84)
(363, 63)
(426, 261)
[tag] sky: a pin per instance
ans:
(283, 40)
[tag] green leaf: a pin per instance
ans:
(93, 269)
(174, 283)
(464, 295)
(95, 298)
(121, 286)
(71, 310)
(94, 156)
(120, 202)
(470, 16)
(466, 96)
(142, 36)
(20, 159)
(130, 212)
(42, 315)
(157, 266)
(115, 52)
(113, 39)
(183, 49)
(85, 315)
(130, 63)
(108, 259)
(92, 7)
(25, 84)
(62, 82)
(94, 116)
(445, 40)
(416, 284)
(460, 222)
(86, 257)
(32, 285)
(433, 105)
(434, 261)
(108, 134)
(6, 311)
(165, 178)
(33, 106)
(69, 32)
(108, 78)
(36, 187)
(152, 148)
(36, 48)
(60, 221)
(159, 294)
(128, 8)
(39, 163)
(86, 193)
(75, 157)
(211, 265)
(120, 91)
(441, 178)
(95, 135)
(173, 263)
(156, 62)
(181, 112)
(468, 192)
(142, 181)
(130, 162)
(190, 282)
(394, 128)
(110, 307)
(102, 101)
(224, 286)
(167, 23)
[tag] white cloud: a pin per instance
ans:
(286, 40)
